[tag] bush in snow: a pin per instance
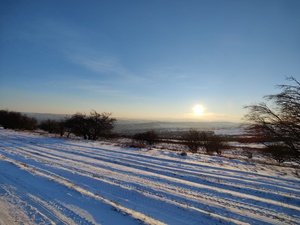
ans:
(52, 126)
(278, 152)
(192, 140)
(212, 143)
(148, 138)
(208, 141)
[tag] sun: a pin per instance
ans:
(198, 110)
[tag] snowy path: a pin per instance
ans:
(52, 180)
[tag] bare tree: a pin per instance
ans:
(77, 124)
(91, 127)
(278, 123)
(100, 125)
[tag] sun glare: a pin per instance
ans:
(198, 110)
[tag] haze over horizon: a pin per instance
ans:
(162, 60)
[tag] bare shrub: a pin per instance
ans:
(192, 140)
(212, 143)
(148, 138)
(208, 141)
(278, 152)
(52, 126)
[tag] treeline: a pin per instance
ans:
(90, 127)
(17, 121)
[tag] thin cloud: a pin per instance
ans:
(106, 65)
(94, 88)
(72, 44)
(87, 85)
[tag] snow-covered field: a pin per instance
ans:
(47, 180)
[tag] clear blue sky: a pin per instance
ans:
(146, 59)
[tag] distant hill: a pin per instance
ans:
(123, 126)
(138, 125)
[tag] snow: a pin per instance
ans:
(47, 180)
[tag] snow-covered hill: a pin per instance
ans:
(47, 180)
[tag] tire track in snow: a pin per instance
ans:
(34, 205)
(155, 167)
(54, 212)
(125, 156)
(72, 161)
(155, 171)
(153, 198)
(129, 159)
